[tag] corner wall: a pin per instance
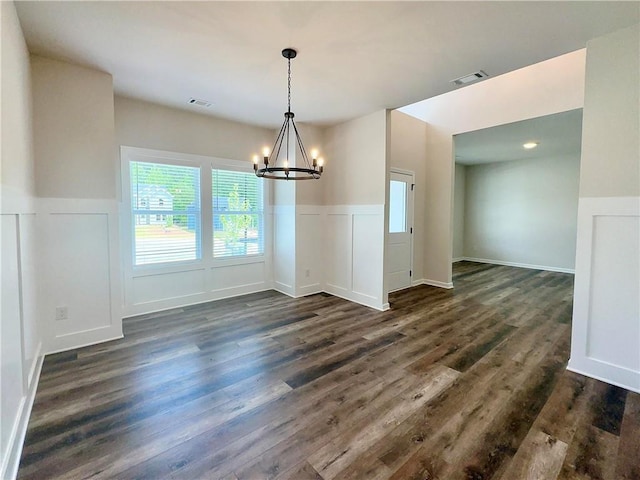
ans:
(354, 197)
(20, 329)
(552, 86)
(79, 267)
(605, 341)
(408, 151)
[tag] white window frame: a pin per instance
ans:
(206, 165)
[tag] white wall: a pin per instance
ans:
(20, 332)
(354, 239)
(459, 189)
(75, 174)
(605, 340)
(176, 133)
(523, 212)
(552, 86)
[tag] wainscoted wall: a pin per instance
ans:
(354, 243)
(79, 271)
(606, 314)
(150, 291)
(21, 347)
(310, 249)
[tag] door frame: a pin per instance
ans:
(410, 218)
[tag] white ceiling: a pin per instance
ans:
(557, 135)
(354, 57)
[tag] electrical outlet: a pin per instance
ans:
(62, 313)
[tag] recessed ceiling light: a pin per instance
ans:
(530, 145)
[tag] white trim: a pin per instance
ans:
(10, 464)
(356, 298)
(623, 377)
(516, 264)
(432, 283)
(458, 259)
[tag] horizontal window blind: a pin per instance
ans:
(165, 206)
(238, 214)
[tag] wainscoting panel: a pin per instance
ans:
(338, 253)
(606, 316)
(20, 338)
(163, 286)
(80, 272)
(368, 255)
(354, 242)
(310, 249)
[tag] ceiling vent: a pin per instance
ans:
(472, 77)
(200, 103)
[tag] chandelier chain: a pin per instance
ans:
(289, 86)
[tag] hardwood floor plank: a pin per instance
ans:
(466, 383)
(628, 458)
(541, 459)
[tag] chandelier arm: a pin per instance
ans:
(278, 144)
(300, 145)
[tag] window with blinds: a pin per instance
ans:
(238, 223)
(165, 203)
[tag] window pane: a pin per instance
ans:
(237, 214)
(397, 207)
(166, 212)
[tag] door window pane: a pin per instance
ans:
(397, 207)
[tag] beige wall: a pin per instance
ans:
(147, 125)
(523, 212)
(356, 161)
(408, 151)
(73, 131)
(459, 210)
(611, 127)
(553, 86)
(312, 192)
(17, 146)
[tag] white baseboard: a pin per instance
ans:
(10, 464)
(356, 297)
(516, 264)
(432, 283)
(457, 259)
(611, 374)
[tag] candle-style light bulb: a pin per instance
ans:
(321, 164)
(255, 162)
(286, 164)
(265, 152)
(314, 154)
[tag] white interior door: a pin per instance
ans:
(400, 235)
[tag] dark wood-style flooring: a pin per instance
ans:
(467, 383)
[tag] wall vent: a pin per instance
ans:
(472, 77)
(200, 103)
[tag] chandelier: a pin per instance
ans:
(307, 170)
